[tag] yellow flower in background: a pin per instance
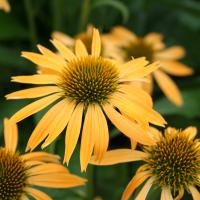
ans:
(88, 86)
(128, 45)
(172, 164)
(4, 5)
(19, 174)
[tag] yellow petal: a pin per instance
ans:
(195, 193)
(65, 39)
(34, 107)
(171, 53)
(96, 43)
(73, 131)
(176, 68)
(80, 49)
(42, 129)
(155, 40)
(65, 51)
(10, 135)
(37, 194)
(51, 54)
(166, 194)
(133, 144)
(59, 123)
(191, 131)
(144, 191)
(87, 139)
(129, 128)
(43, 61)
(113, 157)
(33, 92)
(40, 156)
(37, 79)
(101, 133)
(137, 180)
(168, 87)
(56, 180)
(5, 5)
(24, 197)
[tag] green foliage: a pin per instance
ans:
(32, 22)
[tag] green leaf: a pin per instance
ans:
(115, 4)
(190, 108)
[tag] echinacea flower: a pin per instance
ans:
(128, 45)
(89, 86)
(172, 164)
(19, 174)
(4, 5)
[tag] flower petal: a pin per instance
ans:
(80, 49)
(166, 194)
(176, 68)
(113, 157)
(191, 131)
(195, 193)
(168, 87)
(171, 53)
(33, 92)
(37, 79)
(65, 39)
(137, 180)
(10, 135)
(73, 132)
(5, 5)
(96, 43)
(87, 139)
(37, 194)
(34, 107)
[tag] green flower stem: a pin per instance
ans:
(31, 22)
(85, 11)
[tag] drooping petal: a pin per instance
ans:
(96, 43)
(43, 61)
(137, 180)
(37, 194)
(101, 133)
(73, 131)
(166, 194)
(42, 129)
(144, 191)
(60, 122)
(10, 135)
(37, 79)
(113, 157)
(195, 193)
(129, 128)
(80, 49)
(33, 92)
(87, 139)
(168, 87)
(34, 107)
(65, 51)
(176, 68)
(56, 180)
(171, 53)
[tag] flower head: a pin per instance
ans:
(20, 173)
(172, 164)
(126, 45)
(4, 5)
(88, 86)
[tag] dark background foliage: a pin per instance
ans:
(31, 22)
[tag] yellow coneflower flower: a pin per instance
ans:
(128, 45)
(172, 164)
(4, 5)
(20, 173)
(89, 85)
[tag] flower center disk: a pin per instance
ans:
(89, 79)
(175, 161)
(12, 176)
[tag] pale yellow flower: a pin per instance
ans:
(128, 45)
(172, 164)
(19, 174)
(90, 87)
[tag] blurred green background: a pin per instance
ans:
(31, 22)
